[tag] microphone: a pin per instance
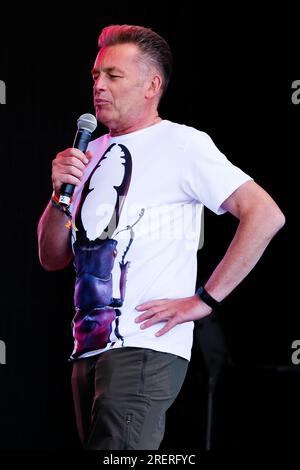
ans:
(86, 124)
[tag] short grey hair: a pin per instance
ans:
(154, 47)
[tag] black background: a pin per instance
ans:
(232, 80)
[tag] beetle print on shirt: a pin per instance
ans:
(95, 251)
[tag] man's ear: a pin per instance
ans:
(154, 87)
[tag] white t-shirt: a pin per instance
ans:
(167, 173)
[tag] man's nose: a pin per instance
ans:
(100, 84)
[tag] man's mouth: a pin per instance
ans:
(101, 102)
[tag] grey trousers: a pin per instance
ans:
(121, 397)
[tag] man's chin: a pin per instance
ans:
(103, 117)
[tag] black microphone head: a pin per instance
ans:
(87, 122)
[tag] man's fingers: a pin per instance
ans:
(73, 171)
(76, 153)
(156, 318)
(167, 327)
(69, 167)
(150, 304)
(150, 313)
(67, 178)
(89, 155)
(71, 160)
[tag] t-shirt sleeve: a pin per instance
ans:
(208, 176)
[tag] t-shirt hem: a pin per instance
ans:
(136, 344)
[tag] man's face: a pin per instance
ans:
(121, 81)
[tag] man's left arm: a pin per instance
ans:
(259, 220)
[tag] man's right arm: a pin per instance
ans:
(54, 238)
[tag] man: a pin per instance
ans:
(139, 193)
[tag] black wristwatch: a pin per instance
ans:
(207, 298)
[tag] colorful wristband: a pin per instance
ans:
(55, 203)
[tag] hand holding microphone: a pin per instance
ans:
(68, 167)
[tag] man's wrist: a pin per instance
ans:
(207, 298)
(55, 202)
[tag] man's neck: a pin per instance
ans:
(136, 126)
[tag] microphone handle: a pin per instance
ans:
(81, 142)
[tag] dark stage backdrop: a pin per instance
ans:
(229, 81)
